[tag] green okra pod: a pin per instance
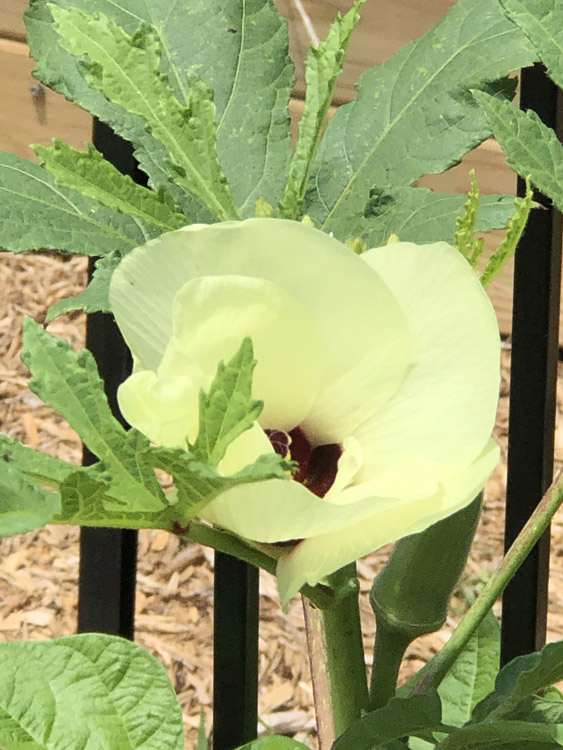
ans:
(410, 596)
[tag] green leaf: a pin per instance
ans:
(542, 22)
(70, 384)
(228, 409)
(472, 676)
(201, 736)
(507, 247)
(23, 505)
(35, 213)
(126, 70)
(240, 50)
(41, 468)
(413, 114)
(95, 297)
(86, 500)
(92, 691)
(420, 215)
(90, 174)
(400, 717)
(532, 149)
(323, 67)
(547, 708)
(519, 679)
(464, 236)
(511, 735)
(197, 484)
(273, 742)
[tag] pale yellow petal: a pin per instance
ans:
(313, 559)
(245, 450)
(213, 314)
(349, 465)
(164, 409)
(278, 511)
(361, 324)
(444, 411)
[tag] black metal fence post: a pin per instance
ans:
(235, 653)
(535, 347)
(108, 557)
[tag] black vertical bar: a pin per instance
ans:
(535, 331)
(235, 653)
(108, 557)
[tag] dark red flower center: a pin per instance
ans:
(317, 466)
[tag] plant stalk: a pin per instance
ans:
(222, 541)
(316, 646)
(390, 647)
(434, 672)
(336, 652)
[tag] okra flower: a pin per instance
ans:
(379, 375)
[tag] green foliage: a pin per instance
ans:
(239, 49)
(122, 490)
(274, 742)
(228, 409)
(197, 484)
(323, 67)
(384, 728)
(472, 677)
(421, 215)
(532, 149)
(542, 22)
(547, 708)
(512, 735)
(126, 70)
(520, 678)
(464, 240)
(263, 210)
(70, 384)
(90, 691)
(201, 737)
(43, 469)
(90, 174)
(36, 214)
(411, 116)
(23, 505)
(507, 247)
(357, 245)
(96, 295)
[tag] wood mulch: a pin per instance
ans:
(174, 607)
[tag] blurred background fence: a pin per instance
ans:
(526, 299)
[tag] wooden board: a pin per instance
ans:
(29, 113)
(11, 18)
(384, 28)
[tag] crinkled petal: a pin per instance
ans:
(444, 411)
(313, 559)
(213, 314)
(165, 409)
(361, 324)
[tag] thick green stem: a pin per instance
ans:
(436, 670)
(335, 642)
(390, 647)
(222, 541)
